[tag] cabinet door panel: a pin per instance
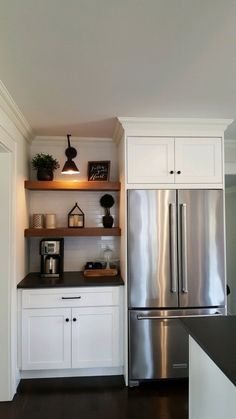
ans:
(95, 337)
(150, 160)
(199, 160)
(46, 339)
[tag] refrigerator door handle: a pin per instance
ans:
(173, 247)
(184, 256)
(140, 317)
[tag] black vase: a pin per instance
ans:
(107, 221)
(44, 174)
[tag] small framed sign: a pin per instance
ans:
(98, 170)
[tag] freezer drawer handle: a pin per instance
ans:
(173, 247)
(141, 317)
(183, 209)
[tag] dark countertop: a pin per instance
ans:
(69, 279)
(217, 337)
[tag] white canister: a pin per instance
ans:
(37, 221)
(50, 220)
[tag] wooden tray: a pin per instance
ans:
(100, 272)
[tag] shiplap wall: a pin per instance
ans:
(77, 250)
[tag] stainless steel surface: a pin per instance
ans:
(50, 247)
(140, 317)
(51, 265)
(175, 269)
(204, 247)
(152, 249)
(173, 247)
(51, 251)
(158, 346)
(183, 249)
(149, 257)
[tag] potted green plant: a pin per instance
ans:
(107, 201)
(45, 165)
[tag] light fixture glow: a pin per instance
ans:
(70, 167)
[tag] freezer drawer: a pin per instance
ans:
(157, 348)
(158, 343)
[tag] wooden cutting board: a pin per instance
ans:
(100, 272)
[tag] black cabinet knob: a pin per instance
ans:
(172, 172)
(67, 320)
(179, 172)
(74, 319)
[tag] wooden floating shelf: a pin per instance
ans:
(72, 232)
(55, 185)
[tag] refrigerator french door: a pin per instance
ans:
(175, 268)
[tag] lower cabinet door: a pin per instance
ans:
(46, 338)
(95, 337)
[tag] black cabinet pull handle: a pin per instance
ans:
(179, 172)
(70, 298)
(74, 319)
(67, 320)
(172, 172)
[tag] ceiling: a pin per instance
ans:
(73, 66)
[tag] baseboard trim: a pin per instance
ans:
(85, 372)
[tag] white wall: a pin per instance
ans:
(230, 214)
(88, 150)
(77, 250)
(230, 218)
(211, 393)
(230, 156)
(22, 208)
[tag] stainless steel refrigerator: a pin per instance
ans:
(176, 268)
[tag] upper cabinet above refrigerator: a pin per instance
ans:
(173, 153)
(179, 160)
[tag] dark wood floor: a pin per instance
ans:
(96, 398)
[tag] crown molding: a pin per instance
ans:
(13, 112)
(53, 140)
(118, 131)
(175, 126)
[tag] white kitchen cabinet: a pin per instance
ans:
(45, 337)
(211, 393)
(95, 337)
(150, 160)
(179, 160)
(199, 160)
(70, 328)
